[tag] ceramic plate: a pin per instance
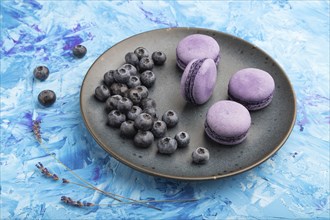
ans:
(269, 130)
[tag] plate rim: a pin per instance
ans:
(189, 178)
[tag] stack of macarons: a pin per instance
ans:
(227, 121)
(198, 55)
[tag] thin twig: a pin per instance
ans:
(111, 195)
(139, 201)
(78, 203)
(149, 201)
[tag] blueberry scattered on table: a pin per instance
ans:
(108, 78)
(152, 112)
(133, 82)
(145, 63)
(119, 89)
(135, 96)
(158, 57)
(143, 139)
(124, 105)
(159, 129)
(201, 155)
(143, 91)
(41, 73)
(79, 51)
(47, 97)
(127, 129)
(134, 112)
(112, 102)
(102, 93)
(167, 145)
(130, 68)
(182, 138)
(121, 75)
(115, 118)
(170, 118)
(141, 52)
(148, 78)
(143, 122)
(132, 58)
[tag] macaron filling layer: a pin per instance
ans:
(250, 105)
(183, 65)
(222, 139)
(190, 81)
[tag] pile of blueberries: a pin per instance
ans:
(129, 107)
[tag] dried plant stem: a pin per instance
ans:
(149, 201)
(138, 201)
(111, 195)
(76, 175)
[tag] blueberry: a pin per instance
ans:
(152, 112)
(134, 112)
(148, 103)
(167, 145)
(158, 57)
(182, 138)
(130, 68)
(135, 96)
(133, 82)
(47, 97)
(119, 89)
(79, 51)
(132, 58)
(102, 93)
(148, 78)
(115, 118)
(124, 105)
(143, 91)
(108, 78)
(143, 139)
(143, 122)
(41, 73)
(170, 118)
(145, 63)
(121, 75)
(159, 129)
(201, 155)
(141, 52)
(127, 129)
(112, 102)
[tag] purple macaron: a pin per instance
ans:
(197, 46)
(227, 122)
(198, 80)
(253, 88)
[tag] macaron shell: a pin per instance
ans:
(251, 85)
(204, 82)
(197, 46)
(184, 78)
(228, 119)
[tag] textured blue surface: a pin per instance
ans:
(294, 183)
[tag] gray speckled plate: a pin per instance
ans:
(270, 126)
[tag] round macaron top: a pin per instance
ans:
(197, 46)
(228, 119)
(198, 80)
(251, 85)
